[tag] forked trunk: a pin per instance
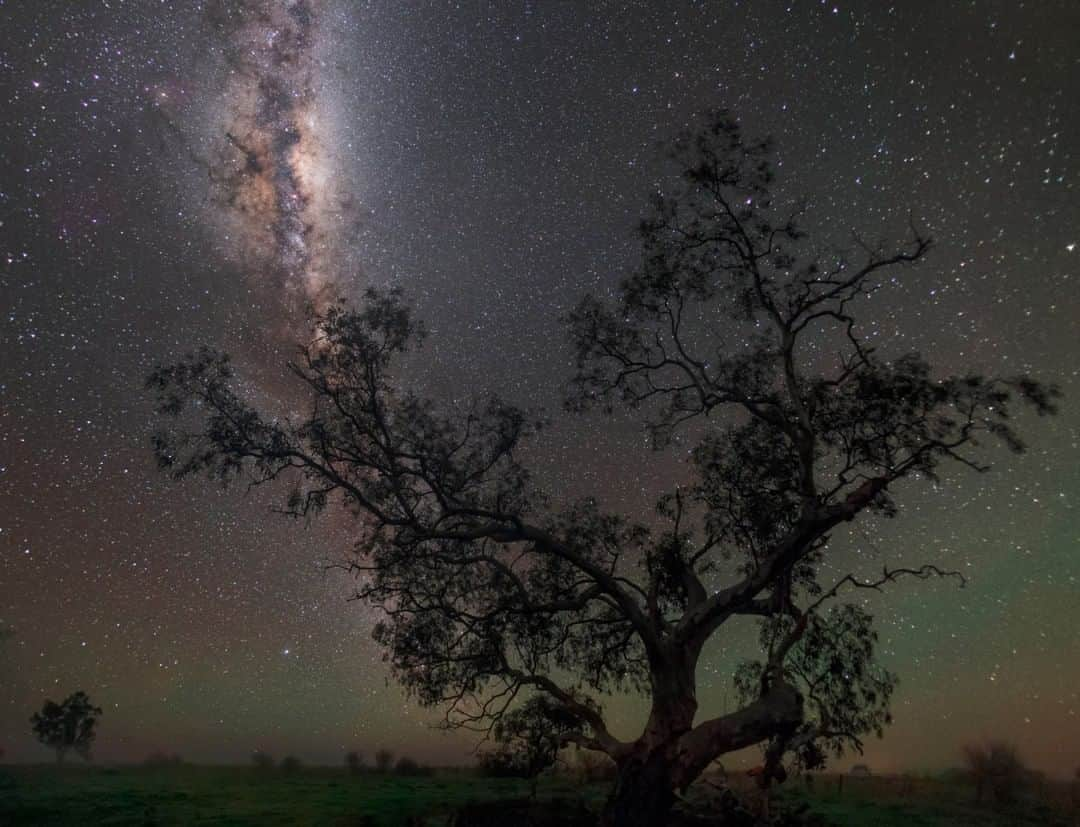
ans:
(650, 774)
(673, 753)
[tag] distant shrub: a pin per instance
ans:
(262, 760)
(502, 763)
(354, 761)
(997, 766)
(384, 759)
(162, 759)
(408, 767)
(529, 737)
(593, 767)
(290, 763)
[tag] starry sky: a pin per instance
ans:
(179, 173)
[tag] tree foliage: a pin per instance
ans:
(529, 737)
(69, 725)
(833, 663)
(997, 766)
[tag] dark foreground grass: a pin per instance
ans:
(868, 813)
(85, 797)
(896, 802)
(241, 796)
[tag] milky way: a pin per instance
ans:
(271, 168)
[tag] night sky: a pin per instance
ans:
(181, 173)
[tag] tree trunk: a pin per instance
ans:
(672, 753)
(649, 774)
(644, 792)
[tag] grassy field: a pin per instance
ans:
(241, 796)
(927, 802)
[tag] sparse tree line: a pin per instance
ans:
(384, 764)
(527, 745)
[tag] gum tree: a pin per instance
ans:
(494, 594)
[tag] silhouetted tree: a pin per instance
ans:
(354, 761)
(70, 725)
(262, 760)
(290, 763)
(6, 634)
(530, 737)
(997, 766)
(384, 759)
(724, 335)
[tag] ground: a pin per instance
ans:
(242, 796)
(906, 801)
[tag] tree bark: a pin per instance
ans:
(671, 755)
(644, 791)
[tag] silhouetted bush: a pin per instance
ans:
(502, 763)
(384, 759)
(262, 760)
(996, 765)
(529, 738)
(163, 759)
(290, 763)
(594, 766)
(408, 767)
(354, 761)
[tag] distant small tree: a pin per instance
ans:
(71, 725)
(996, 765)
(384, 759)
(163, 759)
(500, 763)
(530, 737)
(262, 760)
(290, 763)
(354, 761)
(409, 767)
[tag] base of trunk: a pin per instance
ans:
(644, 793)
